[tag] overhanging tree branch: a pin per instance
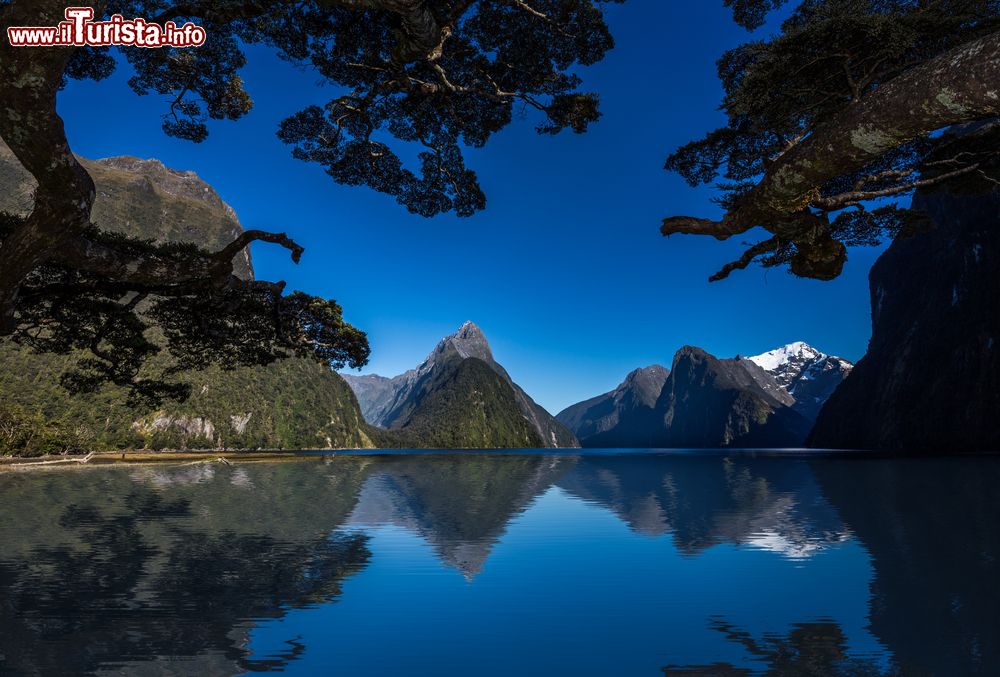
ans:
(958, 86)
(428, 71)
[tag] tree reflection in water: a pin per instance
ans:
(125, 580)
(816, 649)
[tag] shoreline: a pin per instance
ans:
(120, 458)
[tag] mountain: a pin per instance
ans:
(293, 403)
(708, 402)
(633, 400)
(449, 399)
(142, 198)
(373, 393)
(703, 402)
(765, 400)
(930, 381)
(464, 404)
(805, 373)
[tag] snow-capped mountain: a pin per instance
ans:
(808, 375)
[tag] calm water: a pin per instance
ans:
(651, 564)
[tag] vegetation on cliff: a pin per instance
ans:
(468, 406)
(293, 403)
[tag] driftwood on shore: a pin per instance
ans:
(145, 458)
(85, 459)
(221, 459)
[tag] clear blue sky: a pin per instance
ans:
(565, 270)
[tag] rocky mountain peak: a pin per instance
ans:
(653, 371)
(392, 403)
(807, 374)
(470, 329)
(689, 353)
(468, 341)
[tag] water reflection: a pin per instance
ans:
(104, 571)
(460, 504)
(817, 649)
(932, 527)
(173, 570)
(702, 501)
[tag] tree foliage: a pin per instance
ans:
(435, 75)
(852, 107)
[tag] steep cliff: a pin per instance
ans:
(805, 373)
(708, 402)
(931, 378)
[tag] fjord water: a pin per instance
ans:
(500, 564)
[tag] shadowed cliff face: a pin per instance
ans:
(708, 402)
(632, 402)
(931, 378)
(700, 402)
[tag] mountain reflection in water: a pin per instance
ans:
(676, 564)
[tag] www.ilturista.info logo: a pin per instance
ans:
(80, 29)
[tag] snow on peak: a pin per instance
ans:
(773, 359)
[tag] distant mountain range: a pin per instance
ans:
(768, 400)
(459, 396)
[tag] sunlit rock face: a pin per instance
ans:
(931, 378)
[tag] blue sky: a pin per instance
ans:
(565, 270)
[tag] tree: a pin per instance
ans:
(854, 105)
(437, 74)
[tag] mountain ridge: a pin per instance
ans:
(769, 399)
